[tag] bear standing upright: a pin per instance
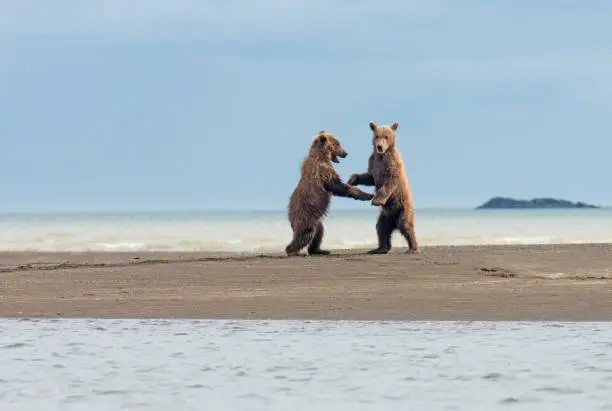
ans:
(392, 192)
(310, 200)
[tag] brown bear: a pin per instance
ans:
(310, 200)
(392, 192)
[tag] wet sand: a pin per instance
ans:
(549, 282)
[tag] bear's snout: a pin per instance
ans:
(379, 148)
(343, 154)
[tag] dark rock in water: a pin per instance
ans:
(506, 202)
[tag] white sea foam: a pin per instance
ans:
(270, 231)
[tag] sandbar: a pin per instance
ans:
(465, 283)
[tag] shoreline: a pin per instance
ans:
(565, 282)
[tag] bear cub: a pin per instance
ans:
(392, 192)
(310, 200)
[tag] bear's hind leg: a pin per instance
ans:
(384, 229)
(406, 227)
(315, 246)
(301, 238)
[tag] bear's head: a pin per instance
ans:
(327, 146)
(384, 136)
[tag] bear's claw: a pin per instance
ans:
(378, 251)
(319, 252)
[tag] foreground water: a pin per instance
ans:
(281, 365)
(268, 231)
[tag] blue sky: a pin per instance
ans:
(185, 104)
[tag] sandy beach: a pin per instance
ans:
(548, 282)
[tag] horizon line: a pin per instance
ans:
(199, 210)
(213, 210)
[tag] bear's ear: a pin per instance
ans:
(372, 126)
(322, 138)
(321, 132)
(394, 126)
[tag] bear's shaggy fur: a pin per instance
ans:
(392, 192)
(310, 200)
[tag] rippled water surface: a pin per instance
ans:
(283, 365)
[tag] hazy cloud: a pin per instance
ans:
(131, 94)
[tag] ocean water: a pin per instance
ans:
(269, 231)
(180, 365)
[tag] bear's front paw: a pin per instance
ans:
(377, 202)
(352, 180)
(365, 196)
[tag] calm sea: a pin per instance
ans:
(292, 365)
(268, 231)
